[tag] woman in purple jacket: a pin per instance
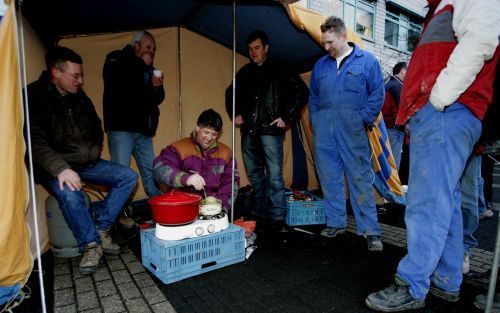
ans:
(199, 162)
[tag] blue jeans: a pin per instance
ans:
(470, 190)
(341, 147)
(123, 144)
(263, 158)
(481, 205)
(440, 144)
(80, 220)
(396, 138)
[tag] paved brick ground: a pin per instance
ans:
(121, 283)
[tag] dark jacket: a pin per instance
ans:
(130, 100)
(394, 87)
(65, 130)
(391, 102)
(265, 93)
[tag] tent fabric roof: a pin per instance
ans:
(212, 19)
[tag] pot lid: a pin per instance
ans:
(175, 198)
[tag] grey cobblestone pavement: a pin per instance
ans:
(122, 284)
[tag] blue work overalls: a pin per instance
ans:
(342, 102)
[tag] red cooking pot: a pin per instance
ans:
(175, 208)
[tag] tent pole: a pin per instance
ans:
(494, 273)
(234, 100)
(179, 79)
(32, 201)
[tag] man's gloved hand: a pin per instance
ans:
(196, 181)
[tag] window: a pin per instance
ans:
(333, 7)
(364, 18)
(401, 30)
(349, 16)
(413, 35)
(391, 29)
(358, 15)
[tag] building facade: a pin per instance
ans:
(389, 28)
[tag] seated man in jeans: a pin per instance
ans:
(199, 162)
(67, 138)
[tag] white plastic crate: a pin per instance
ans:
(174, 260)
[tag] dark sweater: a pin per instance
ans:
(130, 100)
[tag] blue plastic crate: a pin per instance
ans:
(305, 212)
(174, 260)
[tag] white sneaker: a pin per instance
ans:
(466, 264)
(486, 214)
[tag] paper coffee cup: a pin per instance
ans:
(157, 73)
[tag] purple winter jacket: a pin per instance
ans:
(185, 157)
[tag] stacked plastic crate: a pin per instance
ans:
(174, 260)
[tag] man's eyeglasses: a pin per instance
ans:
(75, 76)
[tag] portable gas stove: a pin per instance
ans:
(204, 225)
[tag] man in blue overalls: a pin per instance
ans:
(346, 96)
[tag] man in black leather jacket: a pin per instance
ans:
(66, 138)
(132, 94)
(268, 98)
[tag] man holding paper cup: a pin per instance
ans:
(133, 90)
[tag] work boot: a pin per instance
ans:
(108, 245)
(450, 296)
(394, 298)
(374, 243)
(331, 232)
(127, 222)
(480, 303)
(263, 224)
(125, 218)
(90, 259)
